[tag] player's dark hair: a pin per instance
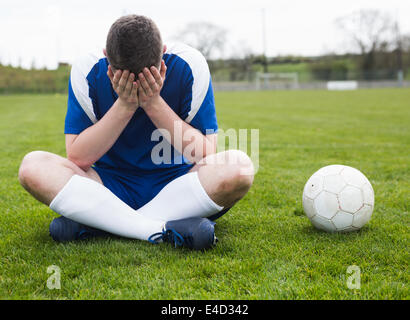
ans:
(133, 43)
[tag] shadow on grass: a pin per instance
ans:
(336, 236)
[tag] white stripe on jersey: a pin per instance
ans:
(200, 73)
(79, 72)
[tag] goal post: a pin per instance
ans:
(276, 80)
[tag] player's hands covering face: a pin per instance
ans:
(150, 82)
(124, 84)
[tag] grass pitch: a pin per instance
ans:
(268, 249)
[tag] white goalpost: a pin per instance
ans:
(283, 80)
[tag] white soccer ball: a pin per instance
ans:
(338, 198)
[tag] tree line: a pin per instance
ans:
(380, 51)
(19, 80)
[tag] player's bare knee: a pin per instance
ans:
(243, 167)
(29, 168)
(242, 179)
(238, 173)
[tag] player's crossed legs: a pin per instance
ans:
(177, 214)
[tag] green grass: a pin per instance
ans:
(268, 249)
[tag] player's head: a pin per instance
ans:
(133, 43)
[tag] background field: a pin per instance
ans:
(268, 248)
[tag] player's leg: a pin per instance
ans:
(80, 196)
(44, 174)
(74, 194)
(235, 173)
(217, 182)
(226, 176)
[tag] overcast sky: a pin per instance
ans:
(47, 31)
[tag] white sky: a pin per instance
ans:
(47, 31)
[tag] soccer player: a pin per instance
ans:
(141, 135)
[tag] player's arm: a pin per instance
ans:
(91, 144)
(186, 139)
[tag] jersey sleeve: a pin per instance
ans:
(80, 108)
(198, 103)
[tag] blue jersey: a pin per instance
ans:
(187, 90)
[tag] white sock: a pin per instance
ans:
(182, 198)
(88, 202)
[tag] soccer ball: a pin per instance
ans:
(338, 198)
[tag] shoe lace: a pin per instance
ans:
(171, 236)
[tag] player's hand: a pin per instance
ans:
(124, 85)
(150, 82)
